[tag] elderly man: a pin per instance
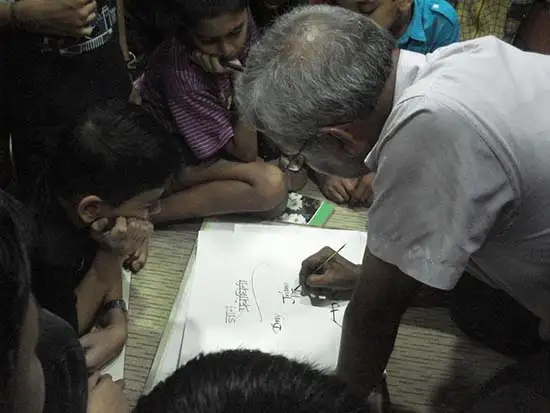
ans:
(459, 141)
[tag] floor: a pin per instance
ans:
(433, 368)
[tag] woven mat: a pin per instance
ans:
(433, 368)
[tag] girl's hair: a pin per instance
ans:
(190, 12)
(116, 151)
(15, 236)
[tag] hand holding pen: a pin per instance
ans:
(328, 274)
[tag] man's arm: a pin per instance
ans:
(383, 293)
(122, 39)
(61, 18)
(105, 272)
(244, 144)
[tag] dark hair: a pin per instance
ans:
(191, 12)
(247, 381)
(116, 151)
(14, 284)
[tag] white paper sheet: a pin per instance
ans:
(168, 352)
(242, 294)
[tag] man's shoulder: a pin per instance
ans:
(420, 119)
(437, 107)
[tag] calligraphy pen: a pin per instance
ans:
(325, 262)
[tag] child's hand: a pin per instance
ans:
(136, 261)
(105, 395)
(211, 64)
(125, 237)
(103, 344)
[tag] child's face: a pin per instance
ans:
(387, 13)
(223, 36)
(142, 206)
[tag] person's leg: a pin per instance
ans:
(521, 387)
(225, 188)
(64, 365)
(494, 318)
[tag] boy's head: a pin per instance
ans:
(216, 27)
(247, 381)
(21, 376)
(114, 162)
(394, 15)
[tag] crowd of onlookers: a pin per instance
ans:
(117, 115)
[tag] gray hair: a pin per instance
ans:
(316, 66)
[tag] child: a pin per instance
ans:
(418, 25)
(101, 195)
(188, 86)
(248, 381)
(42, 365)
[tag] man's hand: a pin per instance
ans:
(336, 278)
(105, 395)
(103, 344)
(72, 18)
(126, 237)
(362, 194)
(339, 190)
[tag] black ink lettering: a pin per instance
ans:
(335, 307)
(277, 326)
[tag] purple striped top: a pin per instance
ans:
(189, 101)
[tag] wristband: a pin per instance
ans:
(108, 306)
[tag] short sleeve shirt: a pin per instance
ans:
(190, 102)
(433, 24)
(462, 172)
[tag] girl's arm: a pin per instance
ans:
(104, 274)
(244, 144)
(115, 315)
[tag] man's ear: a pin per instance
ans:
(404, 5)
(342, 134)
(90, 209)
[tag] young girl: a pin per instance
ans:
(100, 195)
(189, 88)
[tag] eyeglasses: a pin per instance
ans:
(295, 163)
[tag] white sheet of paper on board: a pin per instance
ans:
(242, 294)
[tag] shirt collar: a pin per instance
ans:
(415, 28)
(408, 65)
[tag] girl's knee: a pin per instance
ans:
(270, 187)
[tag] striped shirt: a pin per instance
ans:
(189, 101)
